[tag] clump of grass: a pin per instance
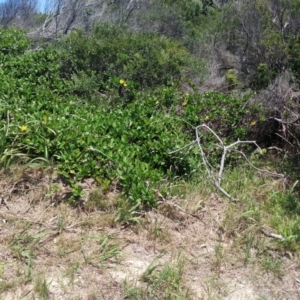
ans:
(71, 271)
(41, 288)
(98, 200)
(272, 265)
(6, 285)
(214, 288)
(108, 249)
(127, 213)
(155, 230)
(218, 258)
(160, 281)
(264, 203)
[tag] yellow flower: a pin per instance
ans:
(184, 103)
(23, 128)
(206, 118)
(253, 123)
(123, 82)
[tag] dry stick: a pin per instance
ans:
(288, 123)
(284, 122)
(217, 181)
(272, 235)
(284, 139)
(292, 112)
(258, 169)
(225, 150)
(275, 148)
(186, 146)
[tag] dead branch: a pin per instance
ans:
(186, 146)
(272, 174)
(272, 235)
(275, 148)
(216, 179)
(284, 122)
(284, 139)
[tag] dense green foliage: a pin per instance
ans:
(112, 52)
(61, 105)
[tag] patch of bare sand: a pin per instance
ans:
(88, 256)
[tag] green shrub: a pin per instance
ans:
(114, 52)
(47, 114)
(231, 78)
(262, 77)
(13, 41)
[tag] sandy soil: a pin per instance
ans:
(88, 255)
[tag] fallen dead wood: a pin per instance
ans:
(216, 177)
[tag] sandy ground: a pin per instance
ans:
(81, 254)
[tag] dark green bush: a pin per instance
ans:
(114, 52)
(262, 77)
(47, 113)
(13, 41)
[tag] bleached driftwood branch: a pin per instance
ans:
(272, 235)
(216, 179)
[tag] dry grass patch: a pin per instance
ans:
(197, 246)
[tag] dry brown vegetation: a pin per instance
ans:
(190, 247)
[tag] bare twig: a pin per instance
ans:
(275, 148)
(3, 200)
(272, 235)
(284, 139)
(258, 169)
(217, 179)
(284, 122)
(186, 146)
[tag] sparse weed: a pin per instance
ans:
(214, 289)
(108, 250)
(272, 265)
(60, 224)
(155, 229)
(6, 285)
(41, 288)
(99, 201)
(24, 244)
(218, 258)
(284, 216)
(71, 271)
(264, 203)
(127, 213)
(67, 246)
(249, 248)
(53, 190)
(162, 281)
